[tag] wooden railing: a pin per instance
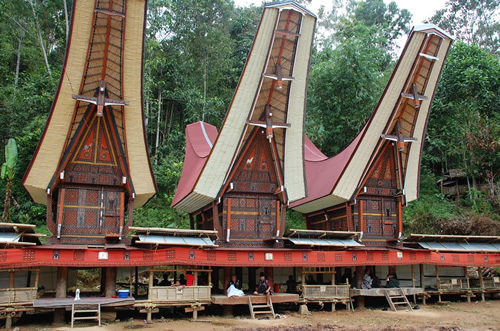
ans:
(325, 292)
(22, 295)
(491, 282)
(453, 284)
(180, 294)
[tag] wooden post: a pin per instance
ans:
(422, 282)
(227, 310)
(37, 277)
(480, 271)
(468, 284)
(251, 279)
(269, 271)
(11, 279)
(359, 281)
(438, 283)
(413, 283)
(227, 277)
(110, 289)
(130, 280)
(61, 289)
(136, 281)
(149, 315)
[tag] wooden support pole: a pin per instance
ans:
(480, 271)
(136, 281)
(149, 315)
(61, 289)
(438, 283)
(359, 281)
(468, 285)
(252, 281)
(422, 282)
(12, 279)
(413, 282)
(110, 289)
(269, 271)
(227, 277)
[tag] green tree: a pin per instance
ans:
(8, 173)
(472, 21)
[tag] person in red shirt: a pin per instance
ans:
(189, 278)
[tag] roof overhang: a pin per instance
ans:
(455, 243)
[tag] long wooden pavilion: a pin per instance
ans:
(92, 169)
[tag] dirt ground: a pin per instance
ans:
(453, 316)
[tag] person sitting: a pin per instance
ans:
(165, 281)
(189, 278)
(311, 281)
(392, 281)
(182, 280)
(367, 280)
(235, 282)
(291, 285)
(263, 286)
(234, 287)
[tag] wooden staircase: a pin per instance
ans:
(266, 308)
(85, 309)
(397, 299)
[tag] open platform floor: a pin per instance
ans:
(380, 292)
(67, 302)
(220, 299)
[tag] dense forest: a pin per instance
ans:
(194, 53)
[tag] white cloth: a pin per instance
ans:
(367, 282)
(234, 292)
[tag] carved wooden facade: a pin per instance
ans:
(376, 210)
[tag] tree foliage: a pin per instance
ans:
(472, 21)
(194, 54)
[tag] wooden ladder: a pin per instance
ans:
(85, 309)
(266, 308)
(398, 299)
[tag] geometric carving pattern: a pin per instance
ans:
(29, 254)
(321, 257)
(369, 256)
(385, 256)
(148, 255)
(170, 254)
(211, 256)
(338, 257)
(288, 256)
(79, 255)
(3, 256)
(231, 256)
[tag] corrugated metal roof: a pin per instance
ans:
(469, 247)
(325, 242)
(174, 241)
(6, 237)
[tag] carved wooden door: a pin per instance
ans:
(89, 212)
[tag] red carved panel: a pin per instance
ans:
(89, 213)
(256, 173)
(382, 180)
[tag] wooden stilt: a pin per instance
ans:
(438, 281)
(149, 315)
(480, 271)
(111, 281)
(227, 277)
(61, 289)
(469, 292)
(413, 282)
(8, 322)
(422, 282)
(359, 280)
